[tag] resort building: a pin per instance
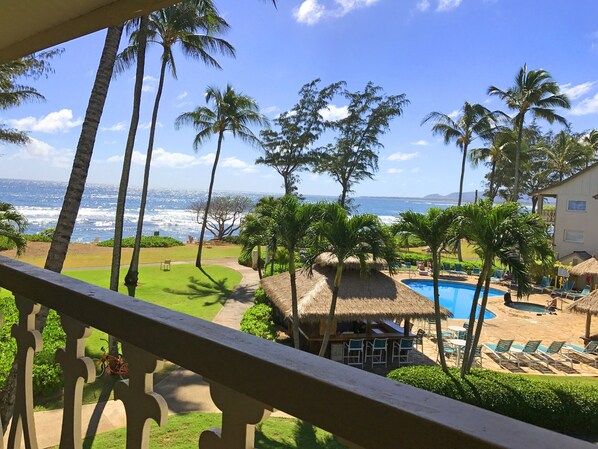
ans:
(574, 219)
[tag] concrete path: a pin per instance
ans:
(183, 390)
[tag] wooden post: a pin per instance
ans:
(588, 323)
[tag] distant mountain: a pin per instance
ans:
(468, 197)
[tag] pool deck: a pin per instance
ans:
(522, 326)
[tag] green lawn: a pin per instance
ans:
(590, 381)
(182, 432)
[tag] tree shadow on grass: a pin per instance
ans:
(94, 422)
(304, 436)
(197, 289)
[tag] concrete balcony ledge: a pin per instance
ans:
(247, 373)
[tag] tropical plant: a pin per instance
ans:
(590, 140)
(288, 150)
(535, 92)
(178, 24)
(12, 226)
(292, 221)
(564, 155)
(507, 234)
(436, 229)
(229, 111)
(354, 155)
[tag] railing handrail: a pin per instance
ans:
(364, 408)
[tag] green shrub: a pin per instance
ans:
(260, 296)
(245, 260)
(257, 320)
(146, 242)
(44, 236)
(47, 374)
(235, 239)
(563, 407)
(6, 244)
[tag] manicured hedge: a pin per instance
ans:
(564, 407)
(146, 242)
(257, 320)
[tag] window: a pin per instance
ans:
(573, 236)
(576, 206)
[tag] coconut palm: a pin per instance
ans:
(590, 141)
(12, 226)
(436, 230)
(361, 236)
(535, 92)
(178, 24)
(502, 233)
(564, 156)
(231, 112)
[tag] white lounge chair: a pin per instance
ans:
(553, 353)
(501, 350)
(589, 353)
(526, 352)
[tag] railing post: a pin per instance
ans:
(29, 341)
(141, 403)
(77, 368)
(240, 414)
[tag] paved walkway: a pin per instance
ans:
(183, 390)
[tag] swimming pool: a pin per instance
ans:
(455, 297)
(528, 307)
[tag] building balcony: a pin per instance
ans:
(549, 216)
(248, 377)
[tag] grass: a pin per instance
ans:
(182, 432)
(590, 381)
(101, 257)
(183, 289)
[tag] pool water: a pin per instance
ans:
(528, 307)
(455, 297)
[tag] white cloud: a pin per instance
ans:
(37, 149)
(415, 170)
(402, 157)
(52, 123)
(574, 92)
(309, 12)
(270, 110)
(148, 125)
(585, 107)
(394, 170)
(423, 5)
(161, 158)
(421, 143)
(180, 96)
(447, 5)
(334, 113)
(120, 126)
(233, 162)
(149, 84)
(207, 159)
(454, 114)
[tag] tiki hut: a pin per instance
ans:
(589, 306)
(587, 267)
(371, 298)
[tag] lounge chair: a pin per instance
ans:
(419, 339)
(541, 285)
(590, 352)
(576, 296)
(402, 350)
(476, 271)
(497, 276)
(566, 288)
(526, 353)
(459, 269)
(501, 350)
(446, 267)
(553, 353)
(354, 354)
(377, 351)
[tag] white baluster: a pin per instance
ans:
(240, 414)
(77, 369)
(141, 403)
(29, 341)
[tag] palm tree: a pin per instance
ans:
(564, 156)
(536, 92)
(230, 112)
(361, 236)
(507, 234)
(436, 230)
(292, 221)
(167, 27)
(590, 140)
(12, 226)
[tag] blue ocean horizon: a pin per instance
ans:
(167, 210)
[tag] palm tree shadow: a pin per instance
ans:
(96, 415)
(304, 435)
(197, 289)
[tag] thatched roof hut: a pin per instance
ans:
(587, 305)
(374, 296)
(589, 266)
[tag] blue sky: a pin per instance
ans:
(440, 53)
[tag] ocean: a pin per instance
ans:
(167, 210)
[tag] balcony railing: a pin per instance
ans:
(549, 216)
(248, 377)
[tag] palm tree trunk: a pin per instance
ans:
(259, 262)
(515, 193)
(459, 253)
(205, 215)
(329, 321)
(491, 193)
(478, 331)
(437, 317)
(74, 193)
(133, 274)
(294, 299)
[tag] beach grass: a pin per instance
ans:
(182, 432)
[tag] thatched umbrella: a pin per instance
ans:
(589, 266)
(588, 305)
(374, 296)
